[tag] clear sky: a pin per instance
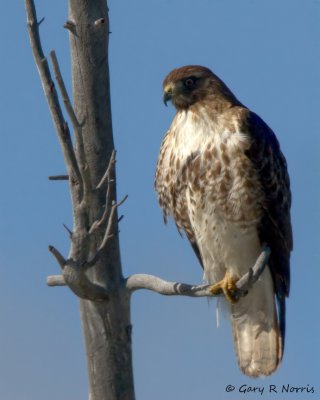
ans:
(267, 52)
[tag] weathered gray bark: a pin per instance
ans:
(106, 325)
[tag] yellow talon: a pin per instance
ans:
(227, 286)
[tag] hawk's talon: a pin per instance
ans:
(227, 286)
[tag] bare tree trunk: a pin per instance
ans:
(106, 325)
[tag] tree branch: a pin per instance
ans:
(110, 168)
(77, 127)
(156, 284)
(56, 280)
(64, 94)
(58, 256)
(51, 94)
(105, 179)
(108, 232)
(58, 178)
(74, 276)
(109, 213)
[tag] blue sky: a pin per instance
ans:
(268, 54)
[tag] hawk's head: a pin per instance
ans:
(187, 85)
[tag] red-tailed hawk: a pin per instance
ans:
(222, 177)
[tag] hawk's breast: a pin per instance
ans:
(203, 165)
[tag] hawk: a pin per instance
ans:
(223, 178)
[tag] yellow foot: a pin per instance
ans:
(227, 286)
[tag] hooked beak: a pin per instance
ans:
(167, 94)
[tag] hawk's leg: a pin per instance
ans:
(227, 286)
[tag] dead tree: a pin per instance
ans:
(92, 269)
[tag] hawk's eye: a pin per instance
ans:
(189, 82)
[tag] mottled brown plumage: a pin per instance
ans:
(222, 177)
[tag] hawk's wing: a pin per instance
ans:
(275, 226)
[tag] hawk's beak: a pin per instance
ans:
(167, 94)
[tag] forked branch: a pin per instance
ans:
(108, 234)
(74, 271)
(106, 179)
(74, 275)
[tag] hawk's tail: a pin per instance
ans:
(258, 340)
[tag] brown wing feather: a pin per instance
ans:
(275, 226)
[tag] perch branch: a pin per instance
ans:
(51, 94)
(156, 284)
(150, 282)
